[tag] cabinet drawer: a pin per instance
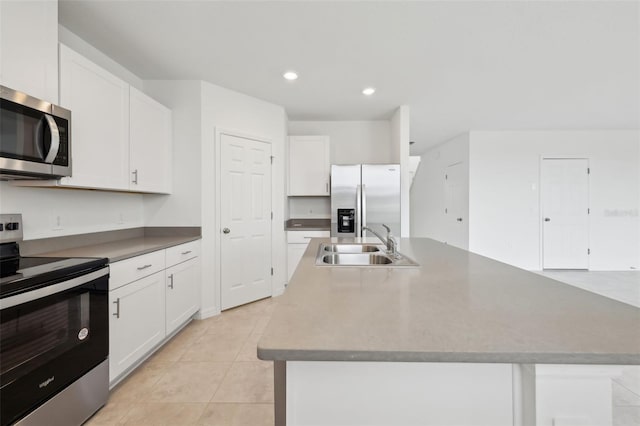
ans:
(182, 252)
(305, 236)
(126, 271)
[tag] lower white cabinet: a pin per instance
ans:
(183, 291)
(297, 245)
(150, 297)
(136, 324)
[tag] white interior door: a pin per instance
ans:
(454, 206)
(565, 217)
(245, 219)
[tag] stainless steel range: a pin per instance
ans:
(54, 334)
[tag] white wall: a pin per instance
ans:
(183, 207)
(70, 39)
(80, 211)
(505, 221)
(400, 138)
(310, 207)
(224, 109)
(428, 192)
(352, 142)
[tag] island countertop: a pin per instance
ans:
(456, 307)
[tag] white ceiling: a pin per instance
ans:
(460, 66)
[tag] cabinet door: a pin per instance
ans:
(309, 165)
(137, 321)
(294, 254)
(99, 104)
(183, 293)
(29, 47)
(150, 144)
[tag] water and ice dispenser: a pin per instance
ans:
(346, 221)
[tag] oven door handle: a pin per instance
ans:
(30, 296)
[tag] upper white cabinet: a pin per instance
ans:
(121, 139)
(99, 104)
(149, 144)
(309, 165)
(29, 47)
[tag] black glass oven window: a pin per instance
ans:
(24, 134)
(30, 338)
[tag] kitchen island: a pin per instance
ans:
(461, 339)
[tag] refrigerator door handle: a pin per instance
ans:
(364, 208)
(358, 227)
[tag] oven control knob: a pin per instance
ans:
(12, 226)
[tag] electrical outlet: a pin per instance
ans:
(57, 222)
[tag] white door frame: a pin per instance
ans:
(218, 186)
(540, 206)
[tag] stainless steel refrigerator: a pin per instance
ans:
(365, 195)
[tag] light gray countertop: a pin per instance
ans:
(307, 225)
(456, 307)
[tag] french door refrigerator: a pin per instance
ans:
(365, 195)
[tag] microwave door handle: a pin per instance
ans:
(55, 139)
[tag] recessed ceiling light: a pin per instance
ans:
(290, 75)
(369, 91)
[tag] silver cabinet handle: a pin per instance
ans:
(135, 176)
(171, 281)
(459, 219)
(117, 302)
(546, 219)
(140, 268)
(226, 230)
(186, 252)
(326, 185)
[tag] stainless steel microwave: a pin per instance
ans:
(35, 137)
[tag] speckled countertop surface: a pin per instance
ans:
(456, 307)
(307, 225)
(124, 249)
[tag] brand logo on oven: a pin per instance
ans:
(46, 382)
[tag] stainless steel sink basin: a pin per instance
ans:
(352, 248)
(356, 259)
(362, 255)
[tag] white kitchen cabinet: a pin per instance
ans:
(29, 48)
(149, 144)
(136, 322)
(182, 293)
(297, 242)
(182, 284)
(99, 104)
(309, 165)
(151, 296)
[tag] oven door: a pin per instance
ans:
(50, 337)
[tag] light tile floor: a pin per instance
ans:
(208, 374)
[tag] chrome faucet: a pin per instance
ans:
(390, 241)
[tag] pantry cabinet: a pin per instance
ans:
(29, 48)
(309, 166)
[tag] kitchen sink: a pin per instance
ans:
(353, 248)
(356, 259)
(363, 255)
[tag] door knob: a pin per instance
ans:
(459, 219)
(226, 230)
(546, 219)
